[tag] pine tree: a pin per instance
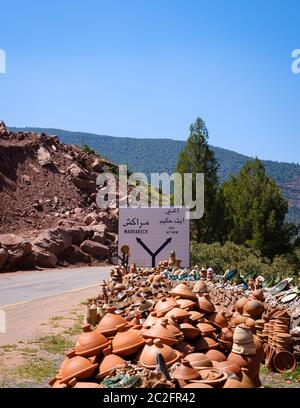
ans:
(256, 211)
(196, 157)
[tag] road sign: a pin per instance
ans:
(152, 233)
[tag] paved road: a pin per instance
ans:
(26, 286)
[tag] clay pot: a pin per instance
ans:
(110, 321)
(232, 383)
(211, 376)
(229, 368)
(219, 320)
(200, 286)
(215, 355)
(173, 327)
(258, 294)
(151, 319)
(164, 305)
(87, 385)
(77, 367)
(109, 363)
(185, 372)
(199, 360)
(197, 385)
(243, 342)
(206, 329)
(195, 317)
(148, 356)
(239, 306)
(284, 362)
(183, 291)
(237, 359)
(246, 379)
(90, 343)
(160, 331)
(205, 305)
(227, 334)
(189, 332)
(205, 343)
(254, 308)
(178, 314)
(126, 342)
(185, 304)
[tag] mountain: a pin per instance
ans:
(160, 155)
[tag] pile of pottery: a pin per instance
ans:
(176, 334)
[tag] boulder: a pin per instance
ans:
(74, 254)
(44, 156)
(54, 241)
(15, 244)
(43, 258)
(95, 248)
(99, 233)
(3, 257)
(90, 218)
(97, 166)
(88, 185)
(76, 171)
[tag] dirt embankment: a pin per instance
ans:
(48, 211)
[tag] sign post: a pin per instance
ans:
(148, 235)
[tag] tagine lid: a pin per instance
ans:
(184, 291)
(76, 366)
(109, 322)
(152, 348)
(126, 339)
(185, 372)
(160, 331)
(89, 342)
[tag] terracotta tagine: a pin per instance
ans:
(205, 343)
(87, 385)
(178, 314)
(185, 304)
(205, 305)
(215, 355)
(233, 383)
(77, 367)
(195, 317)
(148, 356)
(212, 376)
(219, 320)
(90, 343)
(229, 368)
(110, 321)
(189, 331)
(185, 372)
(126, 341)
(246, 379)
(183, 291)
(145, 305)
(237, 359)
(164, 305)
(198, 360)
(151, 319)
(206, 329)
(109, 363)
(200, 286)
(160, 331)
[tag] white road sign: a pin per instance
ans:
(150, 234)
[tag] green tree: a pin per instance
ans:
(256, 211)
(197, 157)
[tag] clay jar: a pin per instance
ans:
(126, 342)
(198, 360)
(77, 367)
(190, 332)
(150, 351)
(164, 305)
(109, 363)
(183, 291)
(205, 305)
(243, 342)
(178, 314)
(90, 343)
(240, 304)
(254, 308)
(159, 331)
(185, 372)
(110, 321)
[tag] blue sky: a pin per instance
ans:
(147, 68)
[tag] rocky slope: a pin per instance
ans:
(48, 212)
